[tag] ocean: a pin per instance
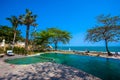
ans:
(90, 48)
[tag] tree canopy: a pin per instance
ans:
(108, 20)
(58, 35)
(29, 20)
(108, 30)
(7, 34)
(53, 36)
(15, 22)
(104, 33)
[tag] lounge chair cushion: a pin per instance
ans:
(10, 52)
(1, 55)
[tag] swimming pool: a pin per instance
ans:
(106, 69)
(29, 60)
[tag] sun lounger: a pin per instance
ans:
(10, 53)
(1, 55)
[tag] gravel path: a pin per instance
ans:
(42, 71)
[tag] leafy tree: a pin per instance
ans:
(42, 39)
(29, 20)
(109, 31)
(7, 34)
(15, 22)
(59, 36)
(52, 35)
(108, 20)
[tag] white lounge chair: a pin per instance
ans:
(10, 53)
(1, 55)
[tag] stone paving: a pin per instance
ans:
(42, 71)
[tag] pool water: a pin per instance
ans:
(29, 60)
(106, 69)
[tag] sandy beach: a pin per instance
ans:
(41, 71)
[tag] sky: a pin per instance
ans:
(74, 16)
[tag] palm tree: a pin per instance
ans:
(29, 20)
(59, 36)
(15, 22)
(52, 36)
(42, 39)
(7, 34)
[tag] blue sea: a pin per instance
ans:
(90, 48)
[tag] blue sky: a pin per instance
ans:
(75, 16)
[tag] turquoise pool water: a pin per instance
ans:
(106, 69)
(28, 60)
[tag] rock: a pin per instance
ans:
(30, 78)
(51, 74)
(58, 75)
(46, 78)
(76, 71)
(46, 69)
(14, 78)
(59, 70)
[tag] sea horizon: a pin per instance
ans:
(90, 48)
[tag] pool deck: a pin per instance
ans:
(41, 71)
(98, 54)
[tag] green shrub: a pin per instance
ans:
(8, 48)
(20, 50)
(2, 50)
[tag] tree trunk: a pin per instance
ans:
(55, 46)
(27, 37)
(106, 45)
(13, 43)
